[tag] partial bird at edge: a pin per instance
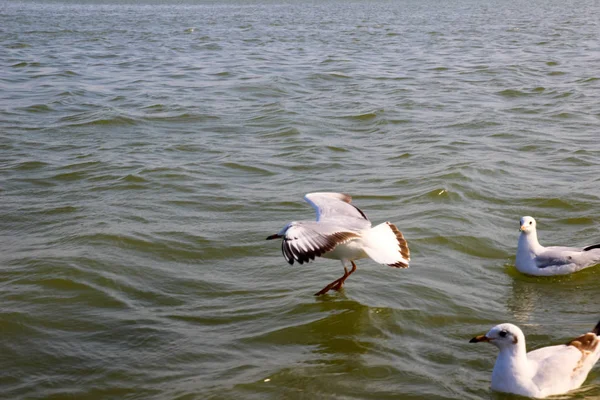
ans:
(543, 372)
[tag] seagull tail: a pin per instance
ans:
(385, 244)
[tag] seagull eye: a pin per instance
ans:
(530, 222)
(503, 333)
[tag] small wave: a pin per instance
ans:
(19, 45)
(550, 203)
(475, 124)
(577, 221)
(122, 186)
(563, 95)
(70, 93)
(162, 248)
(188, 148)
(337, 149)
(565, 115)
(209, 46)
(71, 176)
(512, 93)
(183, 117)
(81, 165)
(284, 132)
(526, 110)
(471, 245)
(31, 165)
(38, 108)
(60, 210)
(97, 119)
(329, 76)
(247, 168)
(441, 194)
(361, 117)
(134, 179)
(402, 156)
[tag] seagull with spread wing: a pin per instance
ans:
(341, 232)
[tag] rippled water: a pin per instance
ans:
(148, 150)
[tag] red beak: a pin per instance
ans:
(480, 338)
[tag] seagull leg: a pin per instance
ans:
(337, 284)
(330, 286)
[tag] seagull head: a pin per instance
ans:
(501, 336)
(527, 225)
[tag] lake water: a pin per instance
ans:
(147, 151)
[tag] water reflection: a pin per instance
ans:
(532, 298)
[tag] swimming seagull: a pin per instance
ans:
(535, 259)
(542, 372)
(341, 232)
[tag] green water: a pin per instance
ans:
(146, 151)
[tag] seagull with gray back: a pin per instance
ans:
(535, 259)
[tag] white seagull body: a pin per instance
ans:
(535, 259)
(341, 232)
(543, 372)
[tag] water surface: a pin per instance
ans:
(146, 151)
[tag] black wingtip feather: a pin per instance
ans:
(596, 329)
(592, 247)
(360, 211)
(286, 253)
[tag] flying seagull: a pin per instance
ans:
(535, 259)
(341, 232)
(543, 372)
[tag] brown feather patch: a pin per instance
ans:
(343, 237)
(398, 265)
(587, 345)
(404, 251)
(346, 198)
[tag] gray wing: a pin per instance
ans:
(555, 365)
(555, 256)
(559, 368)
(335, 208)
(305, 240)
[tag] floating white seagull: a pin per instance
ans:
(542, 372)
(341, 232)
(535, 259)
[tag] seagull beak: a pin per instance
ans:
(522, 228)
(275, 236)
(480, 338)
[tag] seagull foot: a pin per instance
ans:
(335, 285)
(338, 283)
